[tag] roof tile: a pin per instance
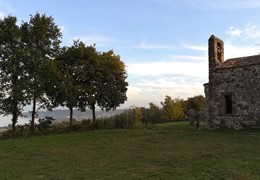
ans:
(241, 61)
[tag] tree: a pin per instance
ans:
(173, 109)
(42, 38)
(69, 67)
(106, 85)
(12, 69)
(152, 114)
(139, 113)
(195, 109)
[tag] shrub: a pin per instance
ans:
(45, 123)
(124, 120)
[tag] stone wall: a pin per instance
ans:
(243, 84)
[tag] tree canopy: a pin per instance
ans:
(35, 70)
(173, 109)
(92, 78)
(42, 39)
(13, 80)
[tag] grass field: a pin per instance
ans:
(167, 151)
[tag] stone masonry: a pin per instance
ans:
(233, 91)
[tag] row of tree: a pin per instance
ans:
(171, 109)
(35, 70)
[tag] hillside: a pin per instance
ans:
(167, 151)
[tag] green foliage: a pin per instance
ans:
(152, 115)
(34, 70)
(91, 78)
(124, 120)
(25, 52)
(112, 83)
(12, 69)
(42, 38)
(45, 123)
(72, 74)
(173, 109)
(195, 107)
(138, 114)
(103, 81)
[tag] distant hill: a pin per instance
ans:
(63, 114)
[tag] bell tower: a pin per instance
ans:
(216, 58)
(216, 52)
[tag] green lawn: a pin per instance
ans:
(168, 151)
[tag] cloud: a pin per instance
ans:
(2, 15)
(193, 47)
(155, 90)
(225, 4)
(232, 51)
(62, 28)
(234, 31)
(247, 32)
(252, 31)
(153, 46)
(197, 69)
(188, 58)
(96, 39)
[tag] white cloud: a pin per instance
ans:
(189, 58)
(132, 91)
(234, 31)
(225, 4)
(96, 39)
(155, 90)
(232, 51)
(198, 69)
(193, 47)
(252, 31)
(153, 46)
(2, 15)
(62, 28)
(155, 80)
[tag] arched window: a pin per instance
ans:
(219, 51)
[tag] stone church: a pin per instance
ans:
(233, 91)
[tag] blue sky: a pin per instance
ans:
(162, 42)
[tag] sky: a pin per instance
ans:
(164, 43)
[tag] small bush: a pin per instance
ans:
(45, 123)
(125, 120)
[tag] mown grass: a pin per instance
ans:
(167, 151)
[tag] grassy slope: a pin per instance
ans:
(169, 151)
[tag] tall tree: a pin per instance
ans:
(70, 72)
(12, 69)
(106, 85)
(42, 38)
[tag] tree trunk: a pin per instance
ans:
(71, 115)
(198, 124)
(14, 120)
(94, 115)
(33, 113)
(14, 104)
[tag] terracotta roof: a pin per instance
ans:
(241, 61)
